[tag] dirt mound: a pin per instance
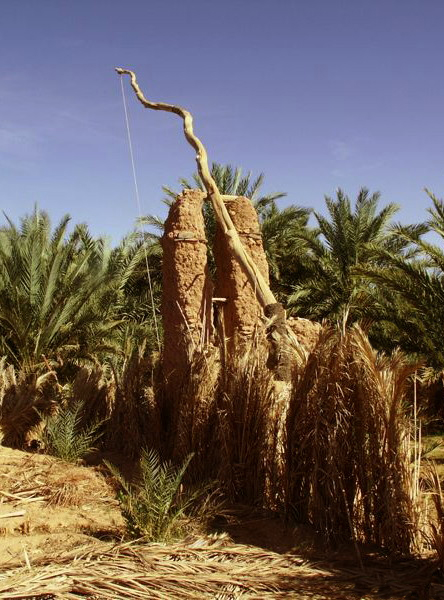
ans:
(51, 505)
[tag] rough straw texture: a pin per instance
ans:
(187, 289)
(205, 569)
(242, 311)
(213, 570)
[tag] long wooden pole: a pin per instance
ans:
(255, 277)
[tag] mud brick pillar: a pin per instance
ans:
(241, 313)
(187, 288)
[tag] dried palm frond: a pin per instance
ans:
(193, 416)
(347, 463)
(249, 428)
(205, 569)
(134, 422)
(36, 478)
(433, 529)
(22, 397)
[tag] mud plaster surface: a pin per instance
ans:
(307, 332)
(187, 288)
(242, 312)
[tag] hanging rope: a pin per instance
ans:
(136, 188)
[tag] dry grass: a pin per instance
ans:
(348, 461)
(203, 569)
(21, 396)
(124, 400)
(193, 415)
(134, 421)
(432, 512)
(226, 417)
(212, 568)
(48, 480)
(93, 388)
(248, 430)
(333, 451)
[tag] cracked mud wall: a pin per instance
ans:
(187, 288)
(242, 311)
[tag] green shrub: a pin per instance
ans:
(64, 437)
(158, 508)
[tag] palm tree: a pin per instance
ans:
(230, 182)
(342, 244)
(139, 309)
(60, 295)
(409, 292)
(283, 232)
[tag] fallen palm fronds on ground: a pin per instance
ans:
(209, 568)
(203, 569)
(26, 478)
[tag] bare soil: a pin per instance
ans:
(64, 539)
(55, 507)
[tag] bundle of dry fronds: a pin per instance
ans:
(93, 388)
(432, 522)
(347, 461)
(22, 397)
(134, 422)
(248, 427)
(429, 389)
(193, 417)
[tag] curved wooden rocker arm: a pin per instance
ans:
(255, 277)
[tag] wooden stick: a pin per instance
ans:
(18, 513)
(255, 277)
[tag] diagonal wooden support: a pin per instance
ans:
(264, 294)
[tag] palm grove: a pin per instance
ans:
(80, 337)
(69, 300)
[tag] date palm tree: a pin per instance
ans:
(230, 182)
(409, 292)
(280, 229)
(346, 240)
(60, 294)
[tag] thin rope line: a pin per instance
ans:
(136, 188)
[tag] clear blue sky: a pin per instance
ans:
(318, 94)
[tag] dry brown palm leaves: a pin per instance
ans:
(348, 466)
(205, 569)
(39, 478)
(211, 568)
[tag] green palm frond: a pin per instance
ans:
(230, 182)
(408, 290)
(64, 437)
(156, 508)
(344, 241)
(60, 290)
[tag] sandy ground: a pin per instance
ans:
(54, 507)
(63, 539)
